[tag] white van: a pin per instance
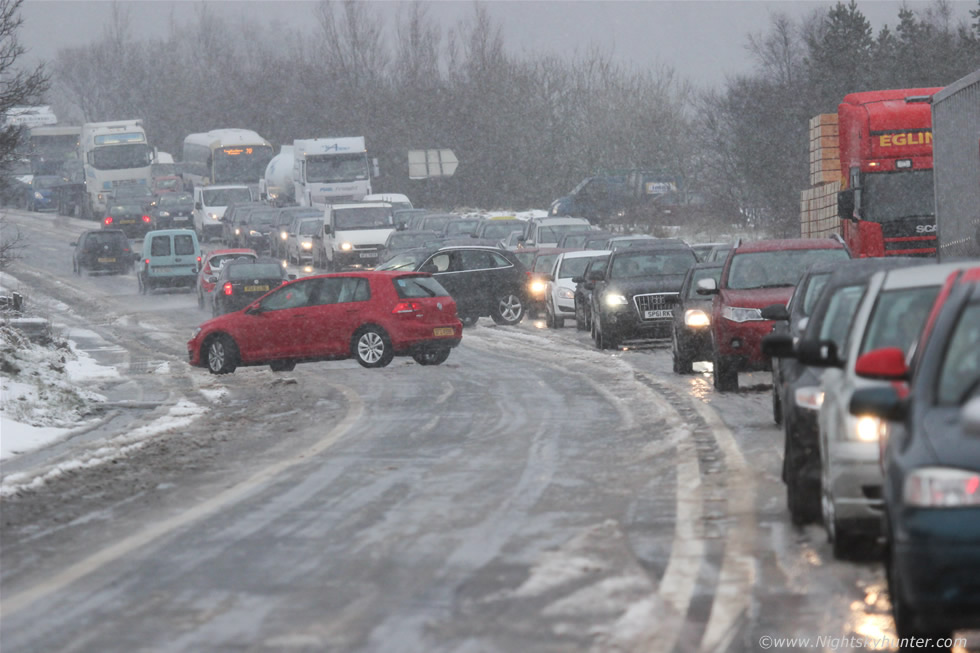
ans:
(352, 235)
(210, 203)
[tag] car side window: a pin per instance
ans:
(438, 262)
(183, 245)
(351, 289)
(160, 246)
(294, 295)
(499, 261)
(475, 259)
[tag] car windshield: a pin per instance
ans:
(894, 195)
(959, 379)
(574, 267)
(415, 287)
(436, 223)
(167, 184)
(118, 209)
(652, 263)
(461, 227)
(175, 199)
(898, 317)
(336, 168)
(219, 260)
(544, 263)
(226, 196)
(105, 238)
(309, 227)
(406, 239)
(264, 218)
(777, 268)
(553, 233)
(46, 182)
(575, 239)
(363, 217)
(836, 322)
(241, 271)
(500, 229)
(121, 157)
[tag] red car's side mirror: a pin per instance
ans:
(887, 363)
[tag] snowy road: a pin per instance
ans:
(531, 494)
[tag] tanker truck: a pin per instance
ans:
(276, 185)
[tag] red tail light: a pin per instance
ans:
(228, 288)
(146, 219)
(107, 220)
(406, 307)
(198, 260)
(147, 261)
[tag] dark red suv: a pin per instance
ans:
(756, 274)
(368, 316)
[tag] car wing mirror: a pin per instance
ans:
(590, 285)
(254, 309)
(75, 244)
(886, 364)
(211, 279)
(578, 279)
(778, 345)
(818, 353)
(291, 276)
(707, 287)
(775, 312)
(882, 402)
(198, 206)
(970, 417)
(596, 275)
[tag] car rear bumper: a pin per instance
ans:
(417, 337)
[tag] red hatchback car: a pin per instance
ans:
(368, 316)
(756, 274)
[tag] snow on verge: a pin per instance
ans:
(180, 415)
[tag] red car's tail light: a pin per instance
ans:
(107, 220)
(228, 288)
(406, 307)
(147, 261)
(146, 219)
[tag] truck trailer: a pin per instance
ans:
(956, 158)
(871, 174)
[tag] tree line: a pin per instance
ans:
(525, 128)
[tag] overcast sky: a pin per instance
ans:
(702, 40)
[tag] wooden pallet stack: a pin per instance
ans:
(818, 204)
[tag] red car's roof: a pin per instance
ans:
(779, 244)
(232, 251)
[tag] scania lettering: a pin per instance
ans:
(331, 170)
(871, 174)
(225, 156)
(114, 154)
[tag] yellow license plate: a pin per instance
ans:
(107, 260)
(443, 331)
(256, 288)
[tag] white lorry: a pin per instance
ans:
(210, 203)
(276, 184)
(330, 170)
(352, 235)
(114, 154)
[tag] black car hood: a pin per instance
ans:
(640, 286)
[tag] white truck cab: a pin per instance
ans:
(352, 235)
(210, 203)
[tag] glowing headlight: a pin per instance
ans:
(38, 195)
(695, 317)
(616, 300)
(538, 287)
(809, 397)
(253, 232)
(284, 235)
(346, 247)
(736, 314)
(864, 428)
(942, 487)
(164, 214)
(566, 293)
(196, 331)
(306, 245)
(238, 232)
(213, 216)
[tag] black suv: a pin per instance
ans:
(484, 281)
(634, 295)
(174, 211)
(105, 250)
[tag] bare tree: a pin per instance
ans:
(17, 87)
(12, 241)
